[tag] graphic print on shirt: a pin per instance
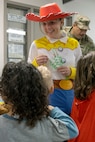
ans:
(57, 60)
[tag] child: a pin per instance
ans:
(83, 110)
(47, 80)
(30, 118)
(47, 77)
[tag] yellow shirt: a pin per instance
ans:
(65, 51)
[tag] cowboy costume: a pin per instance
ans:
(60, 52)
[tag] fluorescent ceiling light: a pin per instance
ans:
(19, 32)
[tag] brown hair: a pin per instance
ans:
(85, 76)
(23, 86)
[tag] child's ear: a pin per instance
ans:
(51, 89)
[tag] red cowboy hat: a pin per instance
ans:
(48, 12)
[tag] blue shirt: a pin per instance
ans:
(58, 127)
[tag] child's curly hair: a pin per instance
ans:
(24, 88)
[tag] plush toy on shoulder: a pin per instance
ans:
(4, 108)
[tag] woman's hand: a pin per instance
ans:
(64, 70)
(41, 60)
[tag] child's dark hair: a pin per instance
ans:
(24, 88)
(85, 76)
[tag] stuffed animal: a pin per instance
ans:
(4, 108)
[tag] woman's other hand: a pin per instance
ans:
(64, 70)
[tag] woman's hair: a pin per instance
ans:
(85, 76)
(46, 76)
(24, 88)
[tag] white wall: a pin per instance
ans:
(84, 7)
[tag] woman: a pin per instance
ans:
(56, 51)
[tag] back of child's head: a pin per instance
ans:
(47, 76)
(26, 91)
(8, 70)
(85, 76)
